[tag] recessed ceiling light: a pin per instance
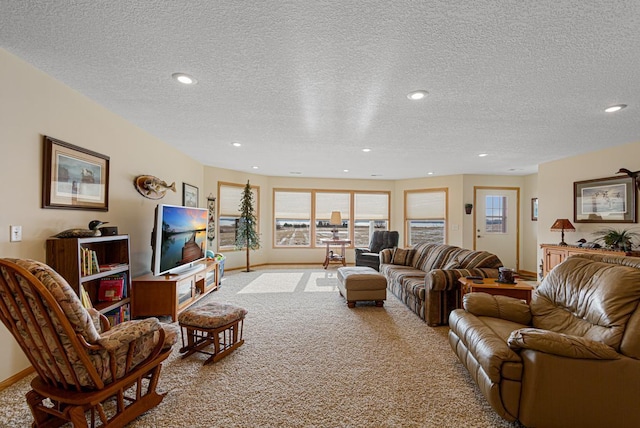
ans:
(417, 95)
(184, 78)
(345, 170)
(615, 108)
(429, 173)
(236, 144)
(481, 155)
(254, 167)
(366, 150)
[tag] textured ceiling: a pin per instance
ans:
(305, 85)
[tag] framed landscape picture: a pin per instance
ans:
(73, 177)
(189, 195)
(605, 200)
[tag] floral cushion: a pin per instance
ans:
(211, 315)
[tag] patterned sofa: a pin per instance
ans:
(425, 277)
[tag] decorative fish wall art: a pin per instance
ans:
(152, 187)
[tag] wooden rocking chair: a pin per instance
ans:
(83, 365)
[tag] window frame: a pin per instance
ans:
(350, 218)
(444, 219)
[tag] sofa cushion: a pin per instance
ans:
(453, 264)
(415, 286)
(402, 256)
(433, 256)
(470, 259)
(484, 304)
(396, 273)
(588, 297)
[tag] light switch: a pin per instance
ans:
(15, 234)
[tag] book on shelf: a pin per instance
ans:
(84, 298)
(111, 266)
(118, 315)
(90, 265)
(89, 261)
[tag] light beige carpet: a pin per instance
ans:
(309, 361)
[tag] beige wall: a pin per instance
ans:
(555, 189)
(32, 105)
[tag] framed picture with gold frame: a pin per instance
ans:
(74, 177)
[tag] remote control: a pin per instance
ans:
(474, 277)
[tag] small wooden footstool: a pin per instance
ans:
(215, 323)
(360, 283)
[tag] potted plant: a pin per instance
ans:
(616, 239)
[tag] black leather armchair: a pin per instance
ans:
(380, 240)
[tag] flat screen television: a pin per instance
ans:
(179, 239)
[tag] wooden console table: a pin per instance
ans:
(553, 255)
(169, 295)
(330, 256)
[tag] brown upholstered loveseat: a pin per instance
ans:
(425, 277)
(571, 358)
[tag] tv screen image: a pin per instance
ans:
(180, 238)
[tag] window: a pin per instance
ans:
(425, 216)
(302, 217)
(370, 212)
(292, 214)
(495, 214)
(230, 196)
(326, 203)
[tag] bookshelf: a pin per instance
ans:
(88, 263)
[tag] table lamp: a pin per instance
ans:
(561, 225)
(336, 220)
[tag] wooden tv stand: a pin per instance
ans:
(168, 295)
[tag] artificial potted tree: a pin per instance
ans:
(246, 234)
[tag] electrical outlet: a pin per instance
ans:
(15, 234)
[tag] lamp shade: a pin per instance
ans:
(561, 225)
(336, 218)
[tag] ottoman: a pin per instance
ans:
(217, 324)
(362, 283)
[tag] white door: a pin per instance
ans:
(496, 223)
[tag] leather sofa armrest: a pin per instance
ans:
(560, 344)
(503, 307)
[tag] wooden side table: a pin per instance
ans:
(490, 286)
(330, 256)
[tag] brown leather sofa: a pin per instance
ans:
(571, 358)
